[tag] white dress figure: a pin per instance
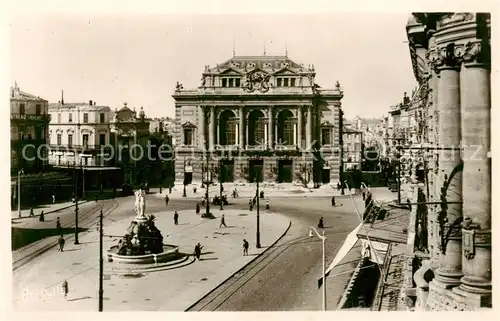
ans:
(140, 203)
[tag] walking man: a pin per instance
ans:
(176, 218)
(333, 200)
(197, 208)
(364, 195)
(197, 251)
(31, 212)
(166, 200)
(61, 242)
(267, 205)
(222, 221)
(65, 289)
(245, 247)
(250, 204)
(42, 217)
(58, 226)
(320, 224)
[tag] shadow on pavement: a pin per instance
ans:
(24, 236)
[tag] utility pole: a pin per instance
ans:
(19, 173)
(76, 207)
(220, 182)
(341, 143)
(101, 263)
(258, 213)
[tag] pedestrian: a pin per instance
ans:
(333, 200)
(160, 189)
(222, 221)
(250, 204)
(320, 224)
(364, 196)
(267, 205)
(194, 189)
(197, 208)
(170, 190)
(197, 251)
(32, 213)
(58, 226)
(338, 186)
(245, 247)
(176, 218)
(53, 198)
(61, 242)
(65, 289)
(41, 218)
(166, 200)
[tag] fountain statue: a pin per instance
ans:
(140, 204)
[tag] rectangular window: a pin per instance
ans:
(278, 82)
(85, 140)
(38, 109)
(224, 82)
(58, 118)
(237, 82)
(285, 82)
(85, 118)
(38, 132)
(188, 136)
(102, 118)
(231, 82)
(292, 82)
(325, 136)
(22, 110)
(59, 139)
(70, 117)
(70, 140)
(102, 139)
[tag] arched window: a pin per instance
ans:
(286, 124)
(256, 125)
(227, 128)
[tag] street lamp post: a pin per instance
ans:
(19, 173)
(76, 207)
(207, 180)
(323, 240)
(220, 182)
(101, 263)
(258, 213)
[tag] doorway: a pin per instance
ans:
(255, 170)
(227, 170)
(285, 171)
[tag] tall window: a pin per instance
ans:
(231, 82)
(85, 118)
(188, 136)
(102, 139)
(278, 82)
(237, 82)
(38, 132)
(58, 118)
(22, 110)
(231, 133)
(326, 137)
(285, 82)
(85, 140)
(59, 139)
(224, 82)
(70, 117)
(102, 118)
(70, 140)
(292, 82)
(288, 132)
(38, 109)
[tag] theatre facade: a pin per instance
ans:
(258, 117)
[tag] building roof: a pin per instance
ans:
(271, 64)
(17, 93)
(81, 106)
(348, 130)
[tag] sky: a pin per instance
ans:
(137, 58)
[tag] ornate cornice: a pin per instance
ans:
(454, 18)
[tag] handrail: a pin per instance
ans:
(379, 294)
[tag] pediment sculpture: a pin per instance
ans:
(258, 80)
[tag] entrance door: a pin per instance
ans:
(255, 170)
(325, 175)
(227, 168)
(285, 171)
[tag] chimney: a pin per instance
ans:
(90, 102)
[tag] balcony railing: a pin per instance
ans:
(45, 117)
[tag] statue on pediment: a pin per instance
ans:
(207, 68)
(337, 84)
(178, 86)
(203, 80)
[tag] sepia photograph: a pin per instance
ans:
(328, 161)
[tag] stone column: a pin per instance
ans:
(265, 134)
(242, 129)
(271, 128)
(211, 132)
(450, 266)
(299, 129)
(237, 134)
(476, 235)
(308, 127)
(295, 133)
(201, 128)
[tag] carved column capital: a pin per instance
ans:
(446, 56)
(474, 52)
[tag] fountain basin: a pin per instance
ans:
(170, 253)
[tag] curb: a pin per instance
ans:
(240, 269)
(49, 212)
